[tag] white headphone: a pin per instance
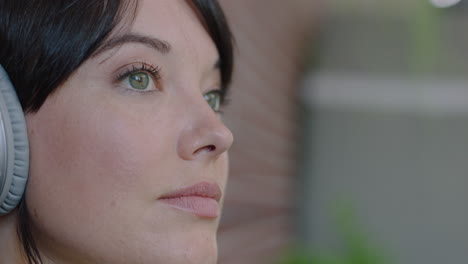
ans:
(14, 146)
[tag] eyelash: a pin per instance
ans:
(225, 100)
(154, 71)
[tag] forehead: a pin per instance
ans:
(175, 22)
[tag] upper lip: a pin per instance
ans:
(202, 189)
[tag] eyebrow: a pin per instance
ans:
(160, 45)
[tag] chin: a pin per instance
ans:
(197, 258)
(200, 249)
(201, 252)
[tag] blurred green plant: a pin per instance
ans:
(426, 38)
(356, 247)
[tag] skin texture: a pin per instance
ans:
(102, 154)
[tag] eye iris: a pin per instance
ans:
(213, 100)
(139, 80)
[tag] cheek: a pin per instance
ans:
(85, 162)
(84, 152)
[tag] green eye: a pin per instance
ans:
(139, 80)
(213, 99)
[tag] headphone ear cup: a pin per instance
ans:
(14, 146)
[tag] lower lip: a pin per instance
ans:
(197, 205)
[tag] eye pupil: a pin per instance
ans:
(139, 81)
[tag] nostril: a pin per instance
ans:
(209, 148)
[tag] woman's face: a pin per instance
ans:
(130, 127)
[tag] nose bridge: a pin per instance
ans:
(203, 133)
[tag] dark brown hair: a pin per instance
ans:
(43, 42)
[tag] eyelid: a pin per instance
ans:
(122, 75)
(131, 68)
(218, 91)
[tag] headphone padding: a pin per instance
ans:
(17, 146)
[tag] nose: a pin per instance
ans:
(204, 136)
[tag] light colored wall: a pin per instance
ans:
(399, 161)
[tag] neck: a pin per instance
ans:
(10, 245)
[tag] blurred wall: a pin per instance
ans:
(386, 110)
(259, 207)
(397, 159)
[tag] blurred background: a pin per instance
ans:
(351, 132)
